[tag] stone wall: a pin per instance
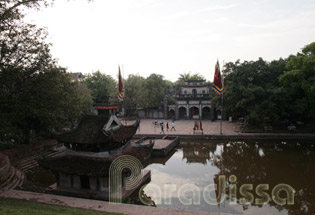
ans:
(151, 114)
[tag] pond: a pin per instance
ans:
(264, 169)
(187, 178)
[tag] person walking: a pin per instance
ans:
(167, 126)
(139, 120)
(162, 128)
(173, 126)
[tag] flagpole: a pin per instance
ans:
(218, 88)
(123, 104)
(222, 100)
(221, 113)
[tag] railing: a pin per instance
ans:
(205, 96)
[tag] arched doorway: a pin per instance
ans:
(218, 112)
(182, 113)
(206, 113)
(171, 114)
(193, 111)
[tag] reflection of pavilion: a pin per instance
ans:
(159, 160)
(197, 152)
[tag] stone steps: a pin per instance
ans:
(9, 178)
(16, 179)
(13, 169)
(5, 171)
(34, 152)
(31, 162)
(31, 157)
(26, 164)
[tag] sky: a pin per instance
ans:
(172, 37)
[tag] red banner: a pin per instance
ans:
(110, 107)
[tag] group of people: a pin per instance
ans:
(167, 126)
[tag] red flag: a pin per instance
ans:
(217, 82)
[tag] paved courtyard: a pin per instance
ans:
(185, 127)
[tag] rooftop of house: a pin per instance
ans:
(105, 132)
(194, 83)
(76, 75)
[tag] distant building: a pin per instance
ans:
(193, 101)
(106, 109)
(76, 76)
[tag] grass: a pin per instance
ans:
(23, 207)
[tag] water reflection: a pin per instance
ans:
(273, 163)
(196, 152)
(251, 162)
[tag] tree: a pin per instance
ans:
(154, 90)
(135, 93)
(299, 83)
(42, 102)
(12, 9)
(170, 91)
(36, 94)
(280, 90)
(252, 89)
(187, 77)
(149, 92)
(103, 87)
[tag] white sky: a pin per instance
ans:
(170, 37)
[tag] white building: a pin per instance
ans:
(193, 101)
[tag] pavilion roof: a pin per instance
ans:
(88, 131)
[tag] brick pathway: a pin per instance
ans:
(98, 205)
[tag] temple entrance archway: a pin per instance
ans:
(206, 113)
(171, 114)
(193, 111)
(218, 114)
(182, 113)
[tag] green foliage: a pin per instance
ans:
(170, 91)
(188, 77)
(251, 88)
(135, 93)
(42, 102)
(12, 10)
(154, 90)
(103, 87)
(36, 94)
(280, 90)
(147, 92)
(299, 82)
